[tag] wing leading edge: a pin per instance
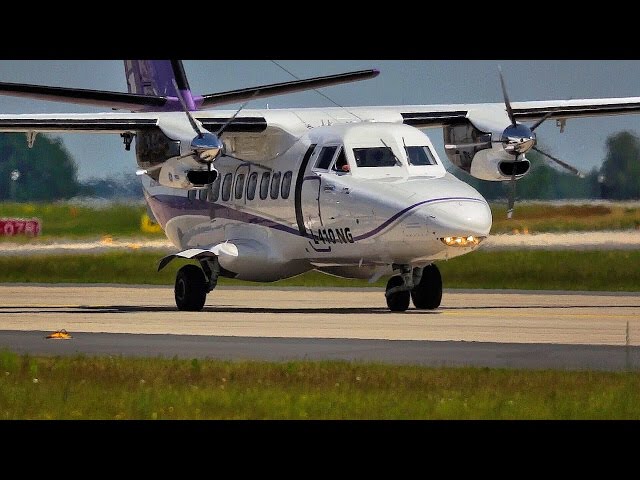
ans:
(420, 116)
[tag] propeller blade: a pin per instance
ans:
(571, 168)
(192, 120)
(506, 98)
(541, 121)
(222, 129)
(467, 145)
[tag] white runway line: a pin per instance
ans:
(603, 240)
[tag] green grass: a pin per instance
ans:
(71, 221)
(123, 220)
(536, 218)
(528, 269)
(137, 388)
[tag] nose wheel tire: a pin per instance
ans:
(427, 295)
(398, 301)
(190, 289)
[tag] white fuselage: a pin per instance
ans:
(295, 207)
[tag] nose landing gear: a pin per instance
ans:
(427, 294)
(398, 297)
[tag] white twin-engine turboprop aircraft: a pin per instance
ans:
(262, 195)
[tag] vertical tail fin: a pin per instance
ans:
(156, 77)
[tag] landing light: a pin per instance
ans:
(469, 241)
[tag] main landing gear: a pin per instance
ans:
(193, 284)
(422, 285)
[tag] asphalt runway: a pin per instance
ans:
(512, 329)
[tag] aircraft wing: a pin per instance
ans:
(252, 120)
(124, 122)
(426, 116)
(79, 122)
(420, 116)
(531, 111)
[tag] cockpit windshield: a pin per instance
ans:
(375, 157)
(420, 156)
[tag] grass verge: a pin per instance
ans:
(615, 270)
(66, 220)
(134, 388)
(538, 218)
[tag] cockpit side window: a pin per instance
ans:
(375, 157)
(341, 164)
(325, 157)
(420, 156)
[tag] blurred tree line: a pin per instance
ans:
(48, 172)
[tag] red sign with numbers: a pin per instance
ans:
(11, 227)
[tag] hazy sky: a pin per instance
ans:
(400, 82)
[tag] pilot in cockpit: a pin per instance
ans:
(341, 164)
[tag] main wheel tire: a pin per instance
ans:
(427, 295)
(190, 289)
(399, 301)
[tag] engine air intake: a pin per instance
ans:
(521, 167)
(201, 177)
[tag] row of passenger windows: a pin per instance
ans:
(270, 186)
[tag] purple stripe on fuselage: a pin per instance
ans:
(169, 206)
(402, 212)
(166, 207)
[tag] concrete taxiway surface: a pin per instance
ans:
(483, 328)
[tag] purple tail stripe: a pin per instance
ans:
(157, 77)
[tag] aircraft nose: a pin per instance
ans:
(461, 218)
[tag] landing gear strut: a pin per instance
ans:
(422, 285)
(193, 284)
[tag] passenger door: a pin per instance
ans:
(318, 164)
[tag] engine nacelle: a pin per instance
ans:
(154, 147)
(496, 165)
(473, 151)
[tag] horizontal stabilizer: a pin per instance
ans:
(81, 96)
(252, 93)
(222, 248)
(140, 102)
